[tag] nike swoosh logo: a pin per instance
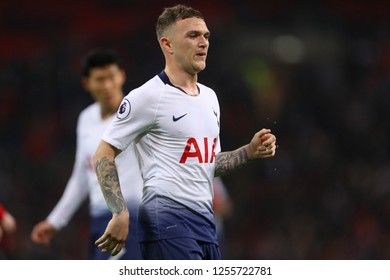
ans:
(178, 118)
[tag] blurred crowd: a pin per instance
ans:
(316, 72)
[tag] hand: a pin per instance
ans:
(8, 223)
(262, 145)
(43, 233)
(114, 237)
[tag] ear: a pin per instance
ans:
(166, 45)
(123, 75)
(85, 83)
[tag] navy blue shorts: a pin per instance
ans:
(179, 249)
(131, 251)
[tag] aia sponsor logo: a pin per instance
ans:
(192, 150)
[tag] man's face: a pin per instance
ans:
(189, 39)
(105, 84)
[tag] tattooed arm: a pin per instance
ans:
(225, 162)
(108, 178)
(117, 229)
(262, 145)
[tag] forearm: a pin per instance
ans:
(72, 198)
(226, 162)
(108, 178)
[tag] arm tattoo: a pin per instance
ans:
(226, 162)
(108, 178)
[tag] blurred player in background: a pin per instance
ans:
(174, 122)
(223, 208)
(7, 226)
(103, 77)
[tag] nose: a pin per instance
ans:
(107, 83)
(204, 42)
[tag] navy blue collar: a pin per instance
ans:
(165, 79)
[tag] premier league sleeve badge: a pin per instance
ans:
(124, 109)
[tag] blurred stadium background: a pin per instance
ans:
(316, 72)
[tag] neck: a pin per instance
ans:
(183, 80)
(106, 112)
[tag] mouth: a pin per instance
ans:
(201, 55)
(108, 97)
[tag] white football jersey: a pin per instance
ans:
(176, 138)
(83, 182)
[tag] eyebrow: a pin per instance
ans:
(197, 32)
